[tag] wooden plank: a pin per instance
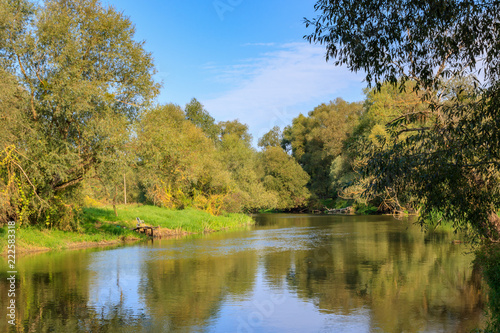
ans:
(141, 227)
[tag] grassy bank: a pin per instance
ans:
(100, 226)
(32, 239)
(188, 220)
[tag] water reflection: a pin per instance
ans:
(292, 273)
(115, 283)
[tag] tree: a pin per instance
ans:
(285, 177)
(316, 140)
(426, 41)
(272, 138)
(369, 135)
(449, 158)
(178, 161)
(236, 128)
(196, 113)
(241, 160)
(83, 80)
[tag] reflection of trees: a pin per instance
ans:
(409, 281)
(188, 292)
(49, 293)
(52, 296)
(77, 292)
(115, 280)
(280, 220)
(405, 281)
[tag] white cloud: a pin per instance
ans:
(275, 87)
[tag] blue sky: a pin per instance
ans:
(242, 59)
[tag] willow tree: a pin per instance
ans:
(450, 158)
(272, 138)
(83, 79)
(237, 155)
(178, 162)
(284, 177)
(196, 113)
(282, 174)
(316, 140)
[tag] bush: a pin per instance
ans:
(365, 209)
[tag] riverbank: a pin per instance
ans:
(99, 226)
(488, 258)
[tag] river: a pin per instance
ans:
(289, 273)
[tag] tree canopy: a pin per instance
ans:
(425, 41)
(285, 177)
(317, 139)
(196, 113)
(449, 157)
(272, 138)
(80, 80)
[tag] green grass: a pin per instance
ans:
(189, 220)
(336, 203)
(365, 209)
(100, 226)
(30, 239)
(436, 222)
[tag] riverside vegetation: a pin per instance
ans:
(100, 226)
(441, 154)
(81, 125)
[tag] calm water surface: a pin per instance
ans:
(290, 273)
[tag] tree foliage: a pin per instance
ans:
(177, 160)
(449, 158)
(272, 138)
(180, 166)
(426, 41)
(285, 177)
(196, 113)
(316, 140)
(234, 127)
(369, 135)
(241, 160)
(80, 79)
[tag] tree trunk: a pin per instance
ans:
(124, 190)
(114, 201)
(494, 224)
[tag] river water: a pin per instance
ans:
(289, 273)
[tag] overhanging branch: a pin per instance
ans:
(68, 183)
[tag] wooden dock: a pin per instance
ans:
(143, 228)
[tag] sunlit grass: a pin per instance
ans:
(436, 222)
(188, 220)
(101, 226)
(33, 238)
